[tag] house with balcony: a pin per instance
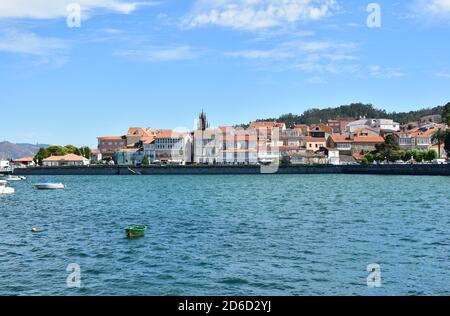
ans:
(169, 147)
(349, 144)
(110, 145)
(238, 146)
(292, 137)
(417, 138)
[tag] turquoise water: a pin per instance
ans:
(228, 235)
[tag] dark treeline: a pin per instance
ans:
(354, 110)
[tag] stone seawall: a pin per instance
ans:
(430, 170)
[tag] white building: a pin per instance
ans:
(333, 156)
(238, 147)
(67, 160)
(380, 125)
(169, 146)
(269, 140)
(24, 162)
(4, 164)
(130, 156)
(96, 156)
(207, 145)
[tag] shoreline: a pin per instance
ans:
(425, 170)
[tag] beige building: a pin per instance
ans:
(314, 144)
(349, 144)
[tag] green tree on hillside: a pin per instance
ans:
(446, 114)
(447, 144)
(354, 110)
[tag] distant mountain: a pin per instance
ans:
(35, 145)
(13, 151)
(354, 110)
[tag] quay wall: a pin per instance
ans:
(428, 170)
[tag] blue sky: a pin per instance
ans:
(158, 63)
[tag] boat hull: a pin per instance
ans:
(135, 231)
(9, 179)
(7, 191)
(49, 186)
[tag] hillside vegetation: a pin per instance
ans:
(354, 110)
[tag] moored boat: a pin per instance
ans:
(12, 178)
(48, 185)
(4, 188)
(135, 231)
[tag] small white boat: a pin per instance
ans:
(12, 178)
(4, 188)
(48, 185)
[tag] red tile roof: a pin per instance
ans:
(168, 133)
(111, 137)
(25, 159)
(346, 139)
(69, 157)
(377, 139)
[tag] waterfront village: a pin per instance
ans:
(337, 142)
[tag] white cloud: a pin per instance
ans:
(49, 9)
(161, 54)
(13, 41)
(438, 6)
(291, 49)
(257, 14)
(431, 10)
(384, 73)
(314, 57)
(261, 54)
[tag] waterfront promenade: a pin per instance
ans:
(426, 170)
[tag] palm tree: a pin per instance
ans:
(439, 137)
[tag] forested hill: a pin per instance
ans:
(355, 110)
